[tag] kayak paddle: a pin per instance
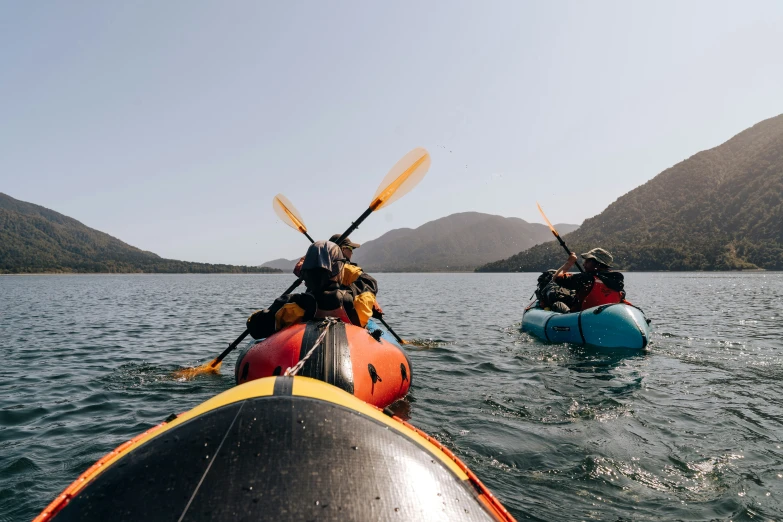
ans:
(403, 176)
(290, 216)
(288, 210)
(562, 243)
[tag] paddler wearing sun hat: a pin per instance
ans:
(596, 286)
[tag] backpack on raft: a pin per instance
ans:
(544, 279)
(548, 296)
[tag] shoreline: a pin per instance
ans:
(136, 273)
(759, 270)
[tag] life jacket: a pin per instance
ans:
(600, 294)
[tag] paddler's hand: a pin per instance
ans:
(377, 311)
(255, 317)
(566, 266)
(261, 324)
(570, 263)
(298, 267)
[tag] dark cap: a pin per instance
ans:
(345, 242)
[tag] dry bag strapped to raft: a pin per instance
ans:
(541, 282)
(554, 293)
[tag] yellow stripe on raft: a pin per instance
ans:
(302, 387)
(260, 388)
(307, 387)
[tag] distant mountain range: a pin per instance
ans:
(286, 265)
(34, 239)
(459, 242)
(721, 209)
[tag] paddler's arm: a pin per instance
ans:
(566, 266)
(364, 288)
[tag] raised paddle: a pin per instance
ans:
(403, 176)
(400, 180)
(285, 209)
(290, 216)
(562, 243)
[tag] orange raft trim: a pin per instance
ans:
(63, 498)
(483, 494)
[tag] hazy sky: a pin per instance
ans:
(171, 125)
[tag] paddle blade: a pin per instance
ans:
(190, 373)
(401, 179)
(288, 213)
(547, 221)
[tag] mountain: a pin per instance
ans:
(721, 209)
(35, 239)
(286, 265)
(459, 242)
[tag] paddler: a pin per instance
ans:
(352, 271)
(596, 286)
(332, 290)
(353, 275)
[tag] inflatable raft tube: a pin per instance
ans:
(280, 448)
(371, 367)
(612, 326)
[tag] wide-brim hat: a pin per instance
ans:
(345, 242)
(600, 255)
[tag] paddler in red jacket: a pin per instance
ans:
(596, 286)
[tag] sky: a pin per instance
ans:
(172, 125)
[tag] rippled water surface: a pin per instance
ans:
(689, 431)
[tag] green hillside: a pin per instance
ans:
(721, 209)
(34, 239)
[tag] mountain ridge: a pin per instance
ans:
(458, 242)
(35, 239)
(455, 243)
(720, 209)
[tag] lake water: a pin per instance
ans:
(689, 431)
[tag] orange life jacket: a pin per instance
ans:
(600, 294)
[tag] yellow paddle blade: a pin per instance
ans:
(405, 175)
(288, 213)
(547, 221)
(190, 373)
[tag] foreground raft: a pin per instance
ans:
(611, 326)
(281, 448)
(365, 362)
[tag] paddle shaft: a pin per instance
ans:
(298, 282)
(353, 226)
(568, 250)
(399, 339)
(230, 348)
(239, 339)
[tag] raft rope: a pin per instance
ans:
(290, 372)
